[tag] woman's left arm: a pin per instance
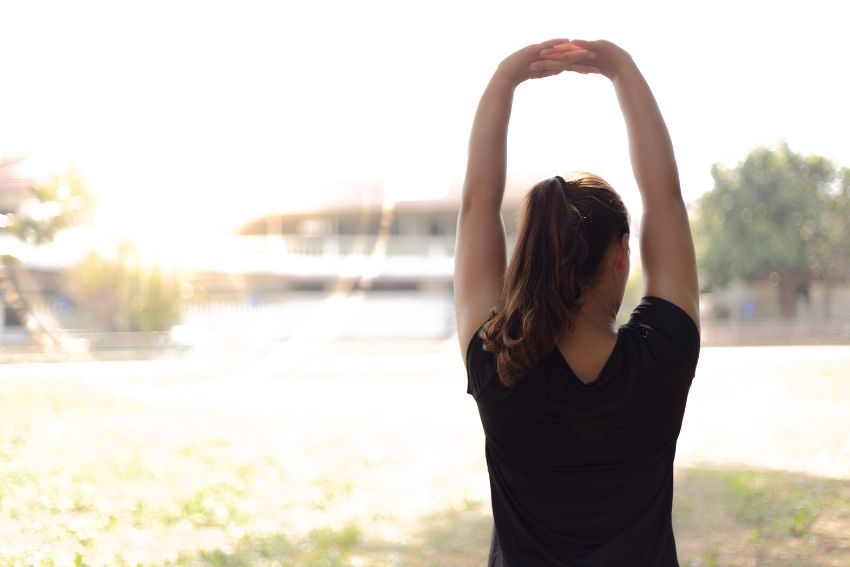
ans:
(480, 256)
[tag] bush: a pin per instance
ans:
(123, 295)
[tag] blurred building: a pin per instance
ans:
(365, 239)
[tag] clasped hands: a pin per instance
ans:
(558, 55)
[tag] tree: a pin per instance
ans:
(832, 263)
(118, 294)
(60, 201)
(777, 216)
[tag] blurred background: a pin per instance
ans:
(227, 233)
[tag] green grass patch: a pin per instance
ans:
(779, 504)
(331, 491)
(324, 547)
(206, 451)
(745, 517)
(215, 505)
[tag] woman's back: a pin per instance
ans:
(582, 473)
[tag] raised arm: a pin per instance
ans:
(666, 244)
(480, 256)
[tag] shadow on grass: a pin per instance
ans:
(740, 517)
(320, 548)
(722, 517)
(452, 538)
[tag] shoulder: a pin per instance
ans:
(668, 333)
(663, 314)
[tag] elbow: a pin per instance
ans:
(479, 198)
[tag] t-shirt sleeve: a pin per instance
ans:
(670, 335)
(478, 366)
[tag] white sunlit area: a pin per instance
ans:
(228, 232)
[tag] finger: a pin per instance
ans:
(566, 46)
(584, 69)
(542, 74)
(545, 65)
(560, 63)
(575, 54)
(585, 44)
(554, 42)
(559, 48)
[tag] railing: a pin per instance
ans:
(347, 245)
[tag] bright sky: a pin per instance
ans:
(194, 116)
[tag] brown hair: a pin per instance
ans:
(565, 229)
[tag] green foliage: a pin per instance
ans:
(61, 201)
(124, 295)
(776, 505)
(215, 505)
(324, 547)
(776, 212)
(331, 490)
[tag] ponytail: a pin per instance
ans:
(564, 231)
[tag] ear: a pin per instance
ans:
(620, 254)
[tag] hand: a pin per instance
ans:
(527, 63)
(610, 60)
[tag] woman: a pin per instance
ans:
(580, 417)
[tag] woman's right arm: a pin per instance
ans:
(666, 244)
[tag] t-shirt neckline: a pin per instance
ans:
(601, 378)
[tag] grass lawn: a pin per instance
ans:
(192, 462)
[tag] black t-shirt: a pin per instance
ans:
(582, 474)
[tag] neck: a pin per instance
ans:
(596, 318)
(594, 324)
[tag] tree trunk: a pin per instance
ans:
(827, 299)
(787, 298)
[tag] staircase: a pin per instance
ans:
(10, 294)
